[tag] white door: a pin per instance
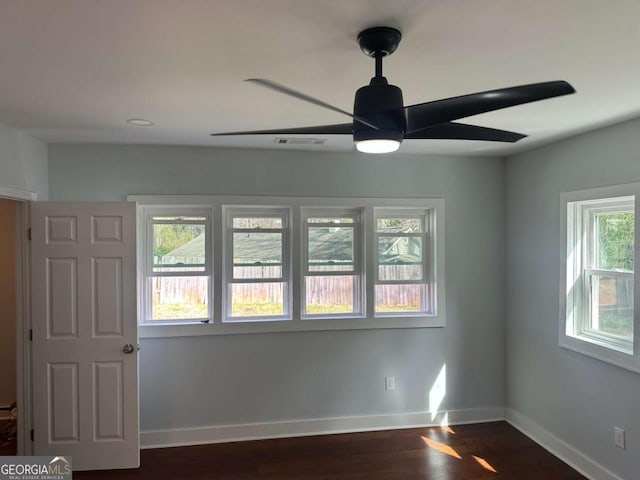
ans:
(85, 363)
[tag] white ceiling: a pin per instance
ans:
(75, 70)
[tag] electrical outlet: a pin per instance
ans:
(389, 383)
(618, 437)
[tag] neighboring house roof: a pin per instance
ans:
(192, 249)
(325, 245)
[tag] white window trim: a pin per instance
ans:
(368, 321)
(358, 261)
(571, 337)
(429, 275)
(145, 261)
(228, 213)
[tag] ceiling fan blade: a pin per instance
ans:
(306, 98)
(424, 115)
(463, 131)
(338, 129)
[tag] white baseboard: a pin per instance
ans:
(320, 426)
(559, 448)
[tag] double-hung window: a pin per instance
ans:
(257, 273)
(598, 304)
(177, 266)
(214, 265)
(332, 263)
(404, 283)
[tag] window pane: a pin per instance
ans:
(615, 241)
(331, 249)
(399, 225)
(257, 222)
(257, 299)
(329, 294)
(612, 305)
(178, 247)
(399, 298)
(257, 255)
(400, 258)
(179, 298)
(258, 272)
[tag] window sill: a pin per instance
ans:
(281, 326)
(613, 355)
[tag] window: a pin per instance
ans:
(598, 317)
(239, 264)
(332, 246)
(257, 266)
(402, 273)
(177, 279)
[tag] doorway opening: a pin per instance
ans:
(8, 321)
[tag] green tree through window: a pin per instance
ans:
(616, 241)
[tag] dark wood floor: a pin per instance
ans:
(465, 452)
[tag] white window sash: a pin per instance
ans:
(421, 214)
(231, 212)
(357, 271)
(146, 254)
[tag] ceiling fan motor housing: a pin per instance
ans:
(380, 104)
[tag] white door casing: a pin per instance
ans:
(85, 387)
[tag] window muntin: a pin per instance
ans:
(177, 274)
(256, 262)
(332, 263)
(401, 263)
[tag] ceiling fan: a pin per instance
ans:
(380, 121)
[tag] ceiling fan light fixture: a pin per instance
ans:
(380, 120)
(378, 145)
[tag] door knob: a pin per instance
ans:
(128, 348)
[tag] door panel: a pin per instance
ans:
(83, 313)
(62, 297)
(63, 401)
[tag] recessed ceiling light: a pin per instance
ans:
(139, 122)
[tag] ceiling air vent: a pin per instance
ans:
(299, 141)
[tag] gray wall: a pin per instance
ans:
(219, 380)
(577, 398)
(23, 162)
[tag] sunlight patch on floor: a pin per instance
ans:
(441, 447)
(484, 464)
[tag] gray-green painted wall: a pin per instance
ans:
(576, 398)
(222, 380)
(23, 162)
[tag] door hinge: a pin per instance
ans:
(31, 334)
(32, 434)
(29, 234)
